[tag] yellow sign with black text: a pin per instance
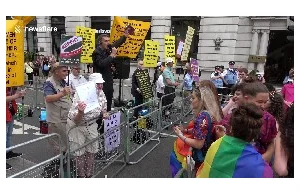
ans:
(14, 53)
(151, 53)
(133, 42)
(88, 43)
(170, 47)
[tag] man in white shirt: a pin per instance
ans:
(75, 77)
(160, 86)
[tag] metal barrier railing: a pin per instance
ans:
(134, 135)
(142, 130)
(33, 171)
(102, 156)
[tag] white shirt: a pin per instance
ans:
(160, 86)
(75, 81)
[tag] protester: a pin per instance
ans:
(45, 66)
(284, 146)
(29, 71)
(82, 128)
(58, 104)
(160, 86)
(135, 90)
(170, 84)
(75, 78)
(156, 71)
(234, 156)
(103, 59)
(199, 133)
(11, 110)
(188, 81)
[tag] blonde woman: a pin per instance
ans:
(199, 133)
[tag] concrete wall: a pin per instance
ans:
(212, 28)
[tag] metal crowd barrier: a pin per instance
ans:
(51, 168)
(142, 130)
(103, 157)
(135, 137)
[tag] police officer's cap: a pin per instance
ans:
(231, 63)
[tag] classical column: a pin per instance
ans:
(253, 49)
(44, 38)
(263, 48)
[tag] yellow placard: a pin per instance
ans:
(170, 47)
(151, 53)
(14, 53)
(88, 43)
(25, 19)
(133, 42)
(187, 43)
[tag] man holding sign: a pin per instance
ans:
(103, 59)
(82, 125)
(140, 82)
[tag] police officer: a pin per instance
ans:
(218, 79)
(230, 76)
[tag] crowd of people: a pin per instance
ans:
(253, 131)
(251, 135)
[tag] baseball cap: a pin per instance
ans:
(169, 60)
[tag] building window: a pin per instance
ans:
(59, 23)
(179, 26)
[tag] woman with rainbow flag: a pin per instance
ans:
(199, 133)
(234, 156)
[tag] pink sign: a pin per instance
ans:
(195, 69)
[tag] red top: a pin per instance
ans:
(9, 117)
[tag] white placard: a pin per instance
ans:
(112, 135)
(88, 94)
(180, 47)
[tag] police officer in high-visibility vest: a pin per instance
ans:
(218, 79)
(230, 76)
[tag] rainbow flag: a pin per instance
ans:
(177, 161)
(230, 157)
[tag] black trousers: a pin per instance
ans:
(168, 99)
(138, 100)
(30, 78)
(108, 91)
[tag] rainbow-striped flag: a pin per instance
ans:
(177, 161)
(230, 157)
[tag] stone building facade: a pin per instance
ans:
(240, 37)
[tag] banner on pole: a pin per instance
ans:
(187, 43)
(151, 53)
(14, 53)
(70, 50)
(88, 43)
(134, 42)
